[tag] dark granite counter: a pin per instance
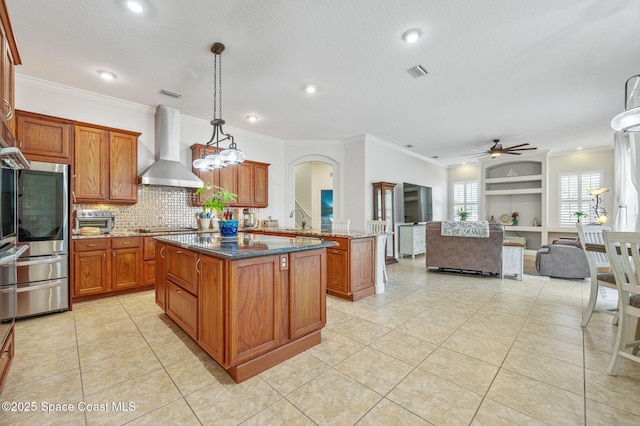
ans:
(244, 245)
(312, 233)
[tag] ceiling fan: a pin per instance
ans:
(497, 150)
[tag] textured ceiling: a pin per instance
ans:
(547, 72)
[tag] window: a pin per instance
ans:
(465, 196)
(574, 196)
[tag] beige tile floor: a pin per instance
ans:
(433, 349)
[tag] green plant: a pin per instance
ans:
(462, 214)
(579, 215)
(218, 200)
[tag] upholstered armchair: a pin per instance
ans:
(564, 258)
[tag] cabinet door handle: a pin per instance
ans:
(179, 291)
(197, 263)
(104, 255)
(162, 252)
(4, 355)
(9, 115)
(73, 194)
(91, 245)
(179, 251)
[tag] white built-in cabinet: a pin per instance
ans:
(412, 240)
(517, 184)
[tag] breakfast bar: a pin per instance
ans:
(250, 301)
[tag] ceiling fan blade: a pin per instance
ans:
(512, 153)
(517, 146)
(521, 149)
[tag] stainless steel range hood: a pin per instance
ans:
(167, 169)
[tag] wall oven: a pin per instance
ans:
(43, 217)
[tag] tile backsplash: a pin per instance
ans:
(158, 206)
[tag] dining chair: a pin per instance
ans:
(600, 269)
(623, 249)
(340, 225)
(379, 227)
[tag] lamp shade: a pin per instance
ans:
(628, 121)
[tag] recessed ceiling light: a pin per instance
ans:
(136, 6)
(463, 163)
(412, 35)
(252, 118)
(310, 88)
(579, 148)
(107, 75)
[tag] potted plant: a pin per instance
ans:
(218, 201)
(579, 215)
(462, 214)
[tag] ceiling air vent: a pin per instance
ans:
(417, 71)
(171, 93)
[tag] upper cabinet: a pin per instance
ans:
(249, 180)
(10, 58)
(105, 165)
(44, 138)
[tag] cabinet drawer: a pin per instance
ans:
(182, 269)
(92, 244)
(6, 356)
(125, 242)
(343, 243)
(182, 307)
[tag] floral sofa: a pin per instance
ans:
(465, 253)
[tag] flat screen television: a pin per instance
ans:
(417, 203)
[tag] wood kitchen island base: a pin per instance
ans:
(249, 303)
(246, 370)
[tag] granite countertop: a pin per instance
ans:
(314, 233)
(244, 245)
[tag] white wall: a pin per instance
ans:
(579, 161)
(43, 97)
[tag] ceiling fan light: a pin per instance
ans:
(627, 121)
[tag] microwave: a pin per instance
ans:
(8, 212)
(101, 219)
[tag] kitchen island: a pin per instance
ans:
(250, 301)
(351, 270)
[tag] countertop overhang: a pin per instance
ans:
(244, 245)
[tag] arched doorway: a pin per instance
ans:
(314, 189)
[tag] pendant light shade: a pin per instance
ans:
(215, 157)
(629, 120)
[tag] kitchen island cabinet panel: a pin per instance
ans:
(254, 314)
(306, 299)
(161, 275)
(182, 268)
(182, 307)
(211, 302)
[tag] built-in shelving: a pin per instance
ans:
(519, 184)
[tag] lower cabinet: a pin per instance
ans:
(412, 240)
(106, 266)
(248, 314)
(351, 267)
(149, 265)
(6, 357)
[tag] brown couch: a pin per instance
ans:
(465, 253)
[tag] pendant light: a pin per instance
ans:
(629, 120)
(217, 157)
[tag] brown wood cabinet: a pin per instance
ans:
(161, 274)
(7, 353)
(10, 58)
(107, 266)
(249, 180)
(351, 267)
(149, 256)
(44, 138)
(105, 165)
(248, 314)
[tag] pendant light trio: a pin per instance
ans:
(215, 157)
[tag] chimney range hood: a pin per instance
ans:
(167, 170)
